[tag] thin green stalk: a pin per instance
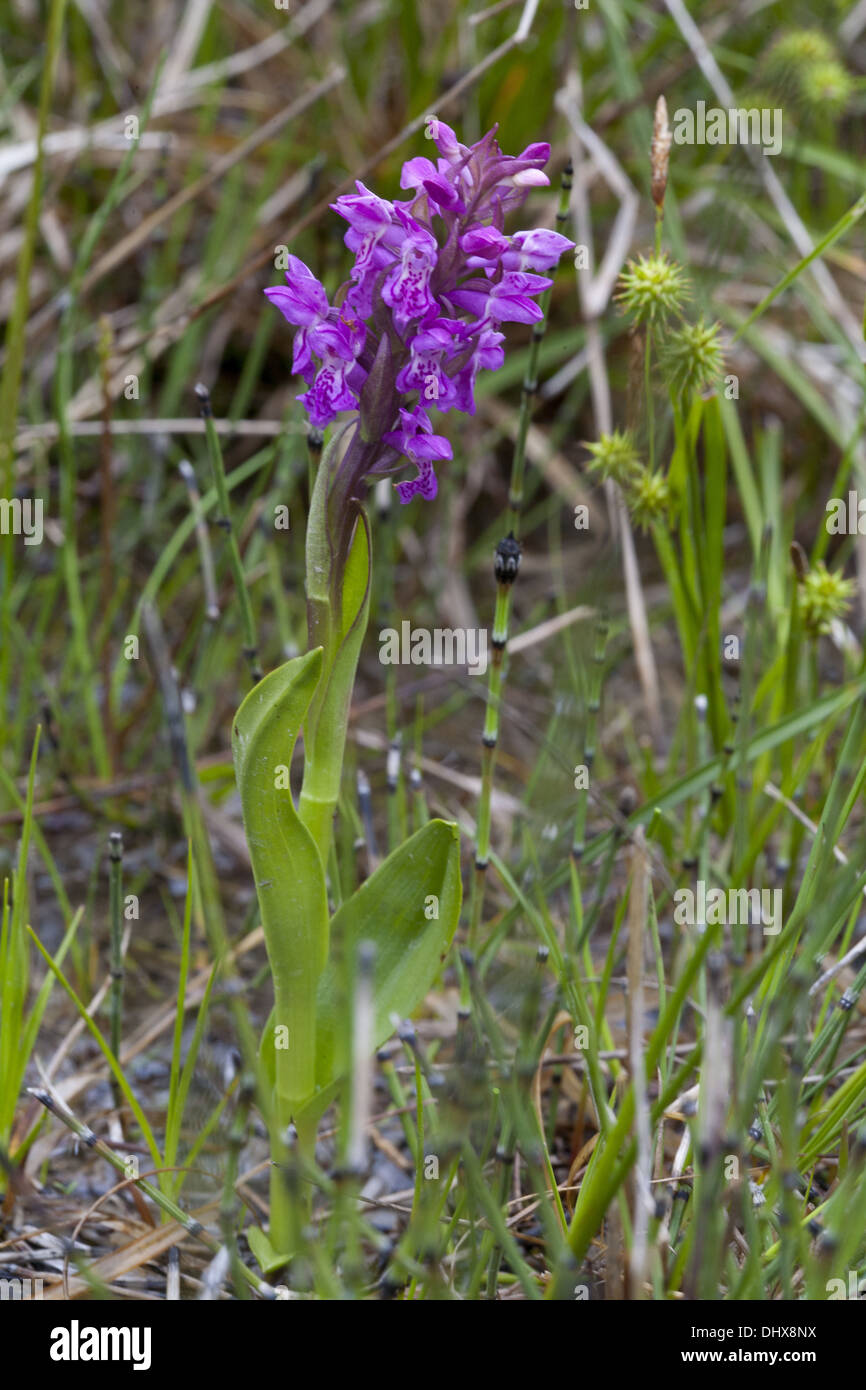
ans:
(80, 626)
(505, 569)
(115, 907)
(121, 1165)
(176, 1083)
(251, 647)
(846, 221)
(14, 959)
(110, 1057)
(10, 385)
(590, 734)
(507, 564)
(229, 1202)
(498, 1226)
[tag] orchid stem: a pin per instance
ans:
(334, 576)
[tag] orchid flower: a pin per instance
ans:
(433, 277)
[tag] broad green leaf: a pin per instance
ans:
(388, 910)
(290, 881)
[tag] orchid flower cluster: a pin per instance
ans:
(434, 278)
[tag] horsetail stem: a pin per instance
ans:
(15, 345)
(229, 1204)
(115, 899)
(251, 650)
(282, 611)
(356, 1115)
(120, 1165)
(506, 565)
(590, 735)
(211, 603)
(700, 851)
(530, 381)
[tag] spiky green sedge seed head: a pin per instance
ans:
(652, 288)
(826, 89)
(824, 598)
(797, 50)
(614, 456)
(804, 69)
(693, 358)
(648, 498)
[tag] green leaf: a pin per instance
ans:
(290, 880)
(388, 910)
(854, 213)
(265, 1255)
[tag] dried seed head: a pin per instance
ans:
(660, 150)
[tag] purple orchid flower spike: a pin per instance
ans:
(434, 276)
